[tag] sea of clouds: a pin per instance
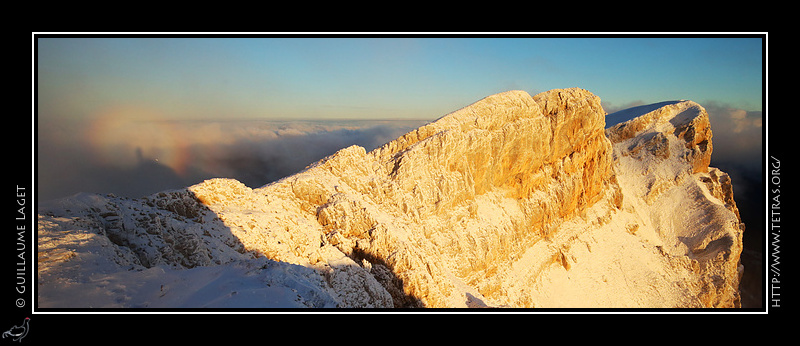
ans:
(136, 158)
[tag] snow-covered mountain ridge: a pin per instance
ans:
(513, 201)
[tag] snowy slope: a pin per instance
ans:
(627, 114)
(86, 260)
(514, 201)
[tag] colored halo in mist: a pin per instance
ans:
(123, 136)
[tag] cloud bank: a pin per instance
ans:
(738, 136)
(134, 158)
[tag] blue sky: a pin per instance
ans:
(389, 77)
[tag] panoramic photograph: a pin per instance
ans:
(292, 173)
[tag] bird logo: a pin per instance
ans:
(18, 332)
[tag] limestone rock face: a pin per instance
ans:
(460, 197)
(513, 201)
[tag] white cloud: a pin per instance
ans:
(737, 137)
(136, 159)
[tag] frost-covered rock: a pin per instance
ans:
(686, 206)
(513, 201)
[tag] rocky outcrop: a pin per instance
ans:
(664, 160)
(513, 201)
(462, 196)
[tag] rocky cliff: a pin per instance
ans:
(514, 201)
